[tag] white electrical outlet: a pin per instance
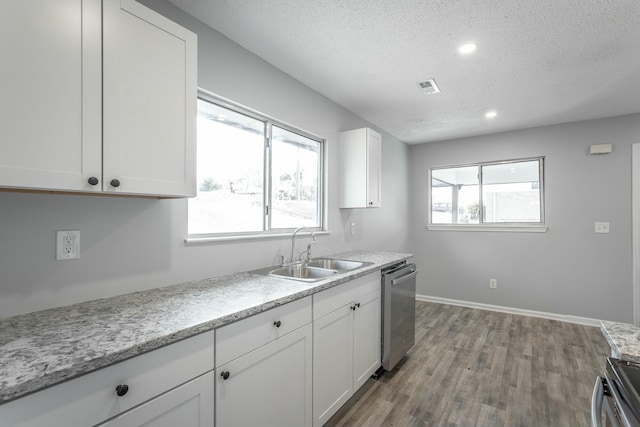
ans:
(493, 283)
(353, 228)
(67, 244)
(602, 227)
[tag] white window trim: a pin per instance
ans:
(193, 241)
(509, 228)
(277, 233)
(540, 227)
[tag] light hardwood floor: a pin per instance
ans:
(474, 367)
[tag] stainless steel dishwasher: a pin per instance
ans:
(398, 312)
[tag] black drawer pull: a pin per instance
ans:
(277, 323)
(122, 389)
(225, 375)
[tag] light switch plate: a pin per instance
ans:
(67, 244)
(602, 227)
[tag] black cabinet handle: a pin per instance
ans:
(115, 183)
(277, 323)
(122, 389)
(353, 307)
(93, 180)
(370, 203)
(358, 305)
(225, 375)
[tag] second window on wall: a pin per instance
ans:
(254, 174)
(507, 192)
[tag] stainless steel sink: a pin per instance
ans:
(341, 265)
(303, 272)
(314, 270)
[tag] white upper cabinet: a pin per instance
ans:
(94, 94)
(50, 108)
(149, 95)
(360, 152)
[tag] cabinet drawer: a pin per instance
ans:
(332, 299)
(189, 405)
(239, 338)
(91, 399)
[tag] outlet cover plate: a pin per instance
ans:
(67, 244)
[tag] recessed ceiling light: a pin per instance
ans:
(467, 48)
(490, 114)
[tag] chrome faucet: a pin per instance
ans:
(293, 243)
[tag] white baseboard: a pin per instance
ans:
(511, 310)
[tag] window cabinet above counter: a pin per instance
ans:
(99, 98)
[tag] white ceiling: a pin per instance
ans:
(538, 62)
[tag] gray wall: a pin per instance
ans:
(567, 270)
(135, 244)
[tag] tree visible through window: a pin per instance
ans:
(253, 175)
(508, 192)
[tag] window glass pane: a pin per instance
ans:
(511, 192)
(455, 195)
(230, 164)
(295, 173)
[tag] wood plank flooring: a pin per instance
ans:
(474, 367)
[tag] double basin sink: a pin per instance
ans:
(315, 269)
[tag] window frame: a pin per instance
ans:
(269, 122)
(491, 226)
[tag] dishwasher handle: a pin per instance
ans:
(596, 402)
(413, 273)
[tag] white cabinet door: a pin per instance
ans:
(50, 107)
(332, 363)
(190, 405)
(268, 387)
(360, 152)
(367, 325)
(150, 95)
(374, 169)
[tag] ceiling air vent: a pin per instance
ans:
(429, 86)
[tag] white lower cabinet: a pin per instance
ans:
(264, 369)
(332, 363)
(157, 386)
(268, 387)
(367, 326)
(346, 342)
(189, 405)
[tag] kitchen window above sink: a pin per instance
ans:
(255, 176)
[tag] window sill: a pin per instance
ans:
(217, 239)
(491, 228)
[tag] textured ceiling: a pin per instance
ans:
(538, 62)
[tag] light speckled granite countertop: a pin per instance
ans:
(44, 348)
(623, 338)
